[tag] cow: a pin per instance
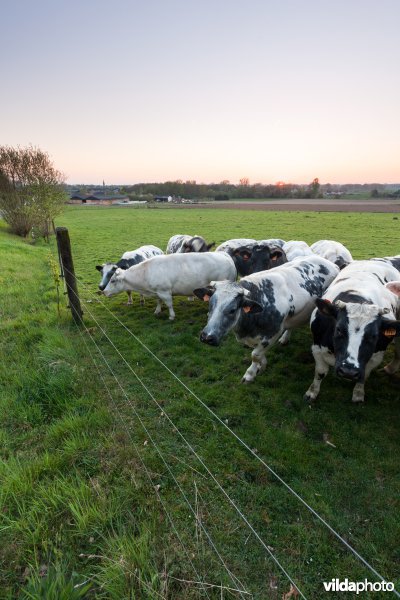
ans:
(172, 275)
(187, 243)
(353, 324)
(261, 307)
(251, 256)
(333, 251)
(128, 259)
(295, 249)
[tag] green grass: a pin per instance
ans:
(77, 507)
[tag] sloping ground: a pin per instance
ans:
(72, 523)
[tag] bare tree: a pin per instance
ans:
(31, 190)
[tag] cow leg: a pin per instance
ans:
(321, 371)
(258, 364)
(394, 365)
(129, 298)
(358, 393)
(141, 300)
(167, 299)
(190, 298)
(359, 388)
(285, 337)
(158, 307)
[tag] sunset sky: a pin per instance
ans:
(152, 90)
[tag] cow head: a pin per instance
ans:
(196, 244)
(227, 301)
(360, 330)
(252, 259)
(116, 283)
(107, 270)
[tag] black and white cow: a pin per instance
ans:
(261, 307)
(187, 243)
(333, 251)
(251, 256)
(353, 324)
(172, 275)
(128, 259)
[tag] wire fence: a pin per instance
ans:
(238, 587)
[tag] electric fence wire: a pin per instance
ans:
(190, 447)
(234, 579)
(248, 448)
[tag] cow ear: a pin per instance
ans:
(341, 263)
(326, 308)
(99, 268)
(390, 329)
(204, 293)
(210, 245)
(394, 287)
(251, 306)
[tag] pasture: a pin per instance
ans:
(77, 500)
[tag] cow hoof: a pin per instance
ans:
(357, 399)
(172, 318)
(308, 398)
(244, 380)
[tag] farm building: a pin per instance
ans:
(101, 198)
(163, 198)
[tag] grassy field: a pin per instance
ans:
(83, 469)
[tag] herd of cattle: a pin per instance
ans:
(263, 289)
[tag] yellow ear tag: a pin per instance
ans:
(246, 309)
(389, 332)
(206, 297)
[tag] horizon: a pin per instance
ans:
(162, 91)
(224, 182)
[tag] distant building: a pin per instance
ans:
(100, 198)
(163, 198)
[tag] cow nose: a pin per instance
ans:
(348, 372)
(208, 339)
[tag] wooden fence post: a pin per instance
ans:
(67, 268)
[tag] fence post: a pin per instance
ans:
(67, 268)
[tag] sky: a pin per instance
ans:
(153, 90)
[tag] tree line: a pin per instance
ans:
(225, 190)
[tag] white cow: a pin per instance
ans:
(172, 275)
(333, 251)
(295, 249)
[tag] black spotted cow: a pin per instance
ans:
(187, 243)
(127, 260)
(261, 307)
(353, 324)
